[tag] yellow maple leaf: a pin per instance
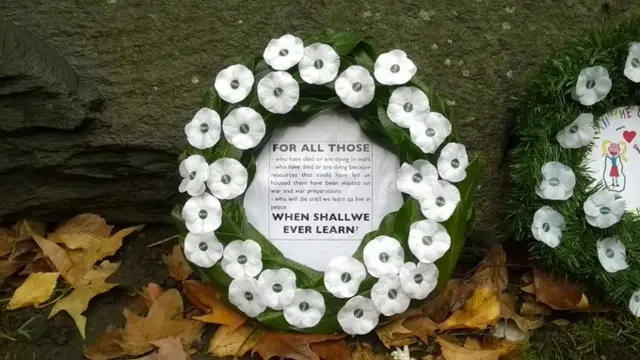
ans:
(474, 350)
(82, 232)
(35, 290)
(73, 264)
(480, 311)
(163, 320)
(234, 342)
(92, 284)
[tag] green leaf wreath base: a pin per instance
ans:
(354, 49)
(546, 108)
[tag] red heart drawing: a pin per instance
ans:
(629, 136)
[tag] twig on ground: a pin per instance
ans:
(163, 241)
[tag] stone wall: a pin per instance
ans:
(93, 120)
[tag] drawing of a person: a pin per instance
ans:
(615, 155)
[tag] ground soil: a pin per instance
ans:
(152, 61)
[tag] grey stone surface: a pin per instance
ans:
(152, 60)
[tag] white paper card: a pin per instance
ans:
(320, 187)
(614, 159)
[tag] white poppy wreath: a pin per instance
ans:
(413, 250)
(581, 227)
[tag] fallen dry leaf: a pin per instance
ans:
(82, 232)
(421, 326)
(290, 346)
(93, 283)
(73, 264)
(482, 310)
(361, 351)
(208, 300)
(164, 320)
(530, 308)
(25, 228)
(37, 264)
(21, 249)
(492, 271)
(403, 330)
(508, 311)
(395, 334)
(168, 349)
(179, 268)
(107, 346)
(194, 290)
(451, 298)
(332, 350)
(558, 294)
(473, 350)
(234, 342)
(35, 290)
(561, 322)
(7, 239)
(9, 267)
(145, 299)
(507, 329)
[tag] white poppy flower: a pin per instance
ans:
(604, 209)
(278, 92)
(234, 83)
(440, 201)
(203, 250)
(406, 105)
(415, 179)
(242, 258)
(634, 303)
(203, 131)
(194, 171)
(429, 132)
(612, 254)
(383, 256)
(243, 128)
(452, 162)
(355, 87)
(284, 52)
(343, 276)
(394, 68)
(428, 240)
(243, 293)
(277, 287)
(388, 296)
(557, 182)
(632, 65)
(547, 226)
(306, 310)
(227, 178)
(202, 214)
(577, 134)
(418, 281)
(319, 65)
(358, 316)
(593, 85)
